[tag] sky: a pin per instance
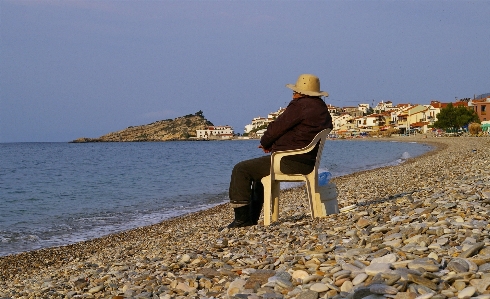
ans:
(71, 69)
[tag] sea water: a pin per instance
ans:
(55, 194)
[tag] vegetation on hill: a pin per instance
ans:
(180, 128)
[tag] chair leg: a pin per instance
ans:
(320, 208)
(310, 189)
(266, 182)
(275, 189)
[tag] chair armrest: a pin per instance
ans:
(277, 156)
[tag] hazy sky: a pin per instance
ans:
(71, 69)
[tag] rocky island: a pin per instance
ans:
(180, 128)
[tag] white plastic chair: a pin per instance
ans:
(272, 182)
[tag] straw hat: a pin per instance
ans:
(309, 85)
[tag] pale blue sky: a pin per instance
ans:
(71, 69)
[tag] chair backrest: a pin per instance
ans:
(322, 135)
(319, 139)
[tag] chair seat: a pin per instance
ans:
(272, 182)
(290, 177)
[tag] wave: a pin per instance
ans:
(90, 226)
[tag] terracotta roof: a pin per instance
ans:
(435, 104)
(419, 124)
(477, 101)
(457, 104)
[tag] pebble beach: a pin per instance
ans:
(418, 230)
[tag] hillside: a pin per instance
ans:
(180, 128)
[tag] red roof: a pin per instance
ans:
(458, 104)
(437, 104)
(419, 124)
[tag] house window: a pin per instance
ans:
(483, 109)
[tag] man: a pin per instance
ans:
(305, 116)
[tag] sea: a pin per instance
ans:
(54, 194)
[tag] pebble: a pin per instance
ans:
(458, 266)
(235, 287)
(319, 287)
(383, 289)
(386, 259)
(374, 269)
(359, 279)
(419, 230)
(466, 292)
(346, 286)
(459, 285)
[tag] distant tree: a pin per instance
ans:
(452, 118)
(259, 128)
(369, 111)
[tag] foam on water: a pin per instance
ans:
(405, 156)
(90, 227)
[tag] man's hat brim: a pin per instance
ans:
(307, 92)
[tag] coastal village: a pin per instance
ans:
(383, 119)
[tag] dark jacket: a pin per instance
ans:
(297, 126)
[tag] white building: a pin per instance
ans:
(363, 107)
(368, 122)
(340, 120)
(333, 109)
(258, 122)
(216, 132)
(384, 106)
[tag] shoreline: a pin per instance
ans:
(190, 244)
(389, 164)
(81, 228)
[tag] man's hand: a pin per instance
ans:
(266, 150)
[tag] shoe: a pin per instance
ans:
(242, 218)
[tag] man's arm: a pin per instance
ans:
(266, 150)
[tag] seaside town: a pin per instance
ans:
(383, 119)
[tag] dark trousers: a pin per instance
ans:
(245, 184)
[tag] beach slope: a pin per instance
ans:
(417, 230)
